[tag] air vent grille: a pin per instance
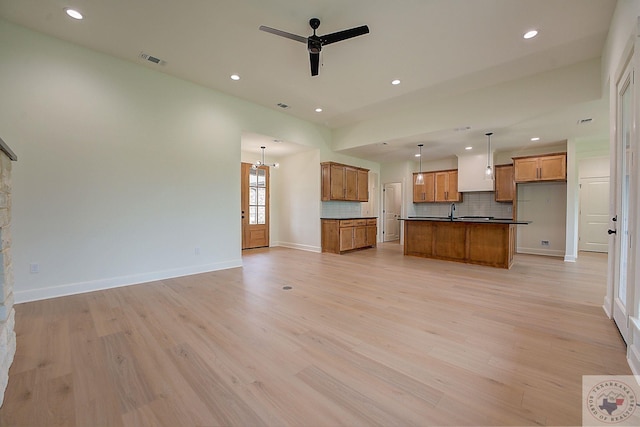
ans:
(282, 105)
(152, 58)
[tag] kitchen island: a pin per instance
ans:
(473, 240)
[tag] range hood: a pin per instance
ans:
(471, 173)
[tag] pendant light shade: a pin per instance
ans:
(259, 163)
(489, 171)
(420, 177)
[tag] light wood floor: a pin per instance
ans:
(363, 339)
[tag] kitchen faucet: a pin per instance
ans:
(452, 210)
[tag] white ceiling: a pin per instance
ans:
(446, 52)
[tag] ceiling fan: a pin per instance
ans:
(314, 43)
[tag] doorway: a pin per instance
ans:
(392, 211)
(255, 206)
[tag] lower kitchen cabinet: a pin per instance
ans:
(341, 235)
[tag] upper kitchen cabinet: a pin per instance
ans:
(425, 192)
(550, 167)
(505, 183)
(344, 182)
(446, 186)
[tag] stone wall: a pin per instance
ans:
(7, 313)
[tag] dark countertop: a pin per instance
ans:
(351, 217)
(481, 220)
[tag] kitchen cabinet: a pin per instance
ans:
(438, 186)
(549, 167)
(446, 186)
(424, 192)
(341, 235)
(505, 183)
(344, 182)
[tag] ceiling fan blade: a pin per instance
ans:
(344, 34)
(283, 34)
(314, 58)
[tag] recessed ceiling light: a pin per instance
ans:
(468, 148)
(395, 82)
(318, 110)
(73, 13)
(235, 77)
(530, 34)
(535, 138)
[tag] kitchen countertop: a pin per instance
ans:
(482, 220)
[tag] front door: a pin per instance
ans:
(255, 206)
(620, 227)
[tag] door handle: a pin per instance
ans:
(610, 231)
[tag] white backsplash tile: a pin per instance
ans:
(480, 203)
(335, 209)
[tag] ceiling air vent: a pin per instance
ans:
(283, 106)
(151, 58)
(584, 121)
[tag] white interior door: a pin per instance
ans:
(392, 211)
(621, 229)
(594, 214)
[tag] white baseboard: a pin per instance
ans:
(537, 251)
(570, 258)
(606, 307)
(290, 245)
(116, 282)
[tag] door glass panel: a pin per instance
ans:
(257, 196)
(253, 214)
(623, 217)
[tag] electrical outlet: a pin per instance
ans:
(196, 251)
(544, 243)
(34, 268)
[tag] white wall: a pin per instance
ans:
(124, 171)
(545, 205)
(298, 183)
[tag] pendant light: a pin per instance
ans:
(489, 171)
(420, 177)
(259, 163)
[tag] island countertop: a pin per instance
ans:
(473, 219)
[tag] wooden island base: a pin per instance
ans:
(490, 243)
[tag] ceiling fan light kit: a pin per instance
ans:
(315, 43)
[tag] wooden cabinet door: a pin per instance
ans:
(363, 185)
(337, 182)
(346, 238)
(526, 170)
(441, 186)
(360, 237)
(452, 191)
(424, 192)
(505, 183)
(553, 168)
(372, 235)
(351, 183)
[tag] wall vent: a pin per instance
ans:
(152, 58)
